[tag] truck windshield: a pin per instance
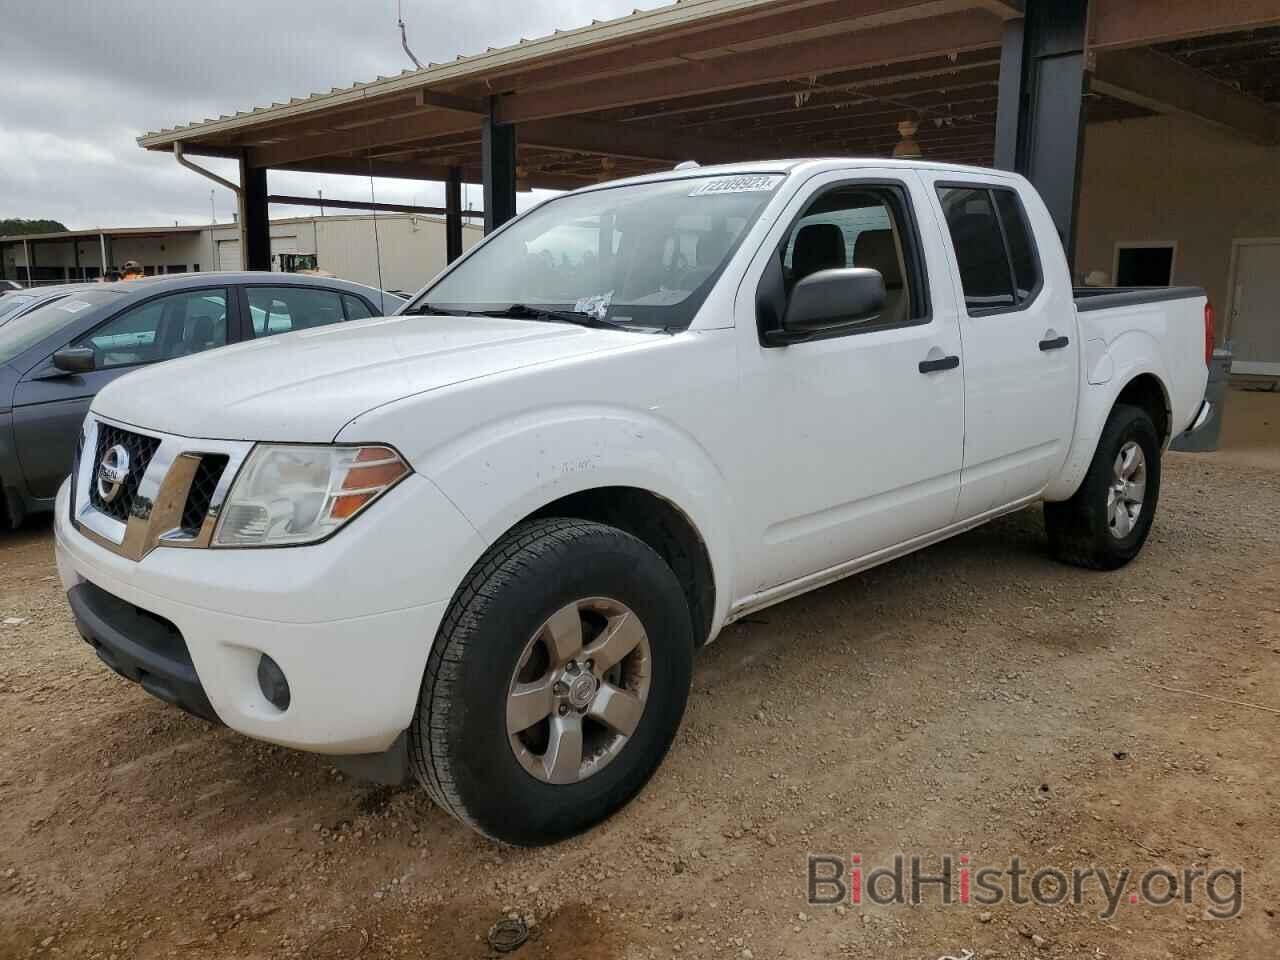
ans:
(640, 255)
(29, 329)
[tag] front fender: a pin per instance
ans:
(500, 473)
(1127, 357)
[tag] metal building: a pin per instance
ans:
(394, 251)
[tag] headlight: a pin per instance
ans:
(300, 494)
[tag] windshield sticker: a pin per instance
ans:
(74, 306)
(596, 306)
(746, 183)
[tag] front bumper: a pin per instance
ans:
(350, 621)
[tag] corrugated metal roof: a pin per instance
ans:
(493, 60)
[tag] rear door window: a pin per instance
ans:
(285, 309)
(980, 254)
(1022, 249)
(995, 252)
(357, 309)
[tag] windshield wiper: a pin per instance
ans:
(522, 311)
(431, 310)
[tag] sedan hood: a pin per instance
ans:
(305, 386)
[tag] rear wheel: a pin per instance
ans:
(1106, 523)
(556, 684)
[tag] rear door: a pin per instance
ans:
(50, 406)
(1017, 324)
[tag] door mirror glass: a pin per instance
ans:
(74, 360)
(832, 299)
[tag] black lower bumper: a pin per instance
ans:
(140, 646)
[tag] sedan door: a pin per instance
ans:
(50, 404)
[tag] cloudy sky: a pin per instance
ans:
(82, 79)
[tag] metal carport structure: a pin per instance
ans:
(1009, 82)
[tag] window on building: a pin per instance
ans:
(283, 309)
(1144, 264)
(161, 329)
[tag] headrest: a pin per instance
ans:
(875, 250)
(819, 246)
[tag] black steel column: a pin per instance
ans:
(453, 215)
(255, 223)
(498, 168)
(1044, 80)
(1009, 102)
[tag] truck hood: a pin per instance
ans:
(305, 386)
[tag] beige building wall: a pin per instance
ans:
(1173, 178)
(412, 248)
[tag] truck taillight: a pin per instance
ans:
(1208, 332)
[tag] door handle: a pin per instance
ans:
(942, 363)
(1057, 343)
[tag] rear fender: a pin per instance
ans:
(1127, 357)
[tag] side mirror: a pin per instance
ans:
(828, 301)
(75, 360)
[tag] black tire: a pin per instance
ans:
(1080, 531)
(458, 743)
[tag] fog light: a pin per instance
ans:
(274, 686)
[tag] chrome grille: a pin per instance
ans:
(140, 449)
(203, 485)
(171, 496)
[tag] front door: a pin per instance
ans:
(1254, 325)
(49, 406)
(1020, 358)
(857, 448)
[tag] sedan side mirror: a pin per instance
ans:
(827, 302)
(75, 360)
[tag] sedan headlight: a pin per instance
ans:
(300, 494)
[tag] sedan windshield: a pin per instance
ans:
(644, 255)
(29, 329)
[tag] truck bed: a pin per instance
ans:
(1104, 298)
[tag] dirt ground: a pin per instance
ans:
(975, 699)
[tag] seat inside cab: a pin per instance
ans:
(851, 228)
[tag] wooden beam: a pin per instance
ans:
(942, 35)
(1004, 9)
(635, 141)
(784, 24)
(383, 133)
(837, 97)
(449, 101)
(1114, 24)
(1157, 82)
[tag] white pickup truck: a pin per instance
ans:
(481, 540)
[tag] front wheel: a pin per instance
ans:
(1104, 525)
(556, 684)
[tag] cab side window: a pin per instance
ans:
(174, 326)
(855, 226)
(996, 256)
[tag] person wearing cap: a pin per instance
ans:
(132, 270)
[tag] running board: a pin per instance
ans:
(767, 598)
